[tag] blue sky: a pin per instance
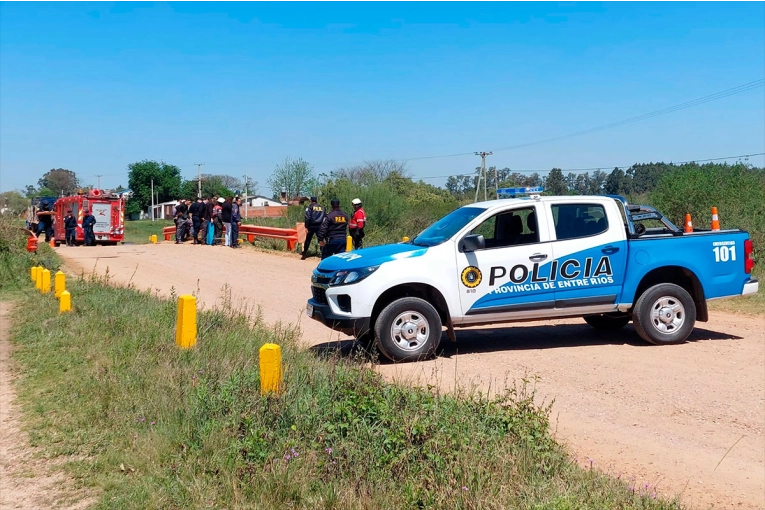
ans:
(93, 87)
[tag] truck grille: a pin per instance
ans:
(319, 295)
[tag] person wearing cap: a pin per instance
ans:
(88, 222)
(70, 227)
(333, 231)
(314, 217)
(217, 217)
(357, 223)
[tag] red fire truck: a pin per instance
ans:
(108, 208)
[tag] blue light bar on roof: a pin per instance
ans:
(513, 192)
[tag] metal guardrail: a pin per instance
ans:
(291, 235)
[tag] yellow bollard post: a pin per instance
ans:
(186, 325)
(270, 369)
(38, 278)
(153, 239)
(348, 243)
(65, 302)
(45, 286)
(59, 283)
(33, 273)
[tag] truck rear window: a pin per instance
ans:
(578, 220)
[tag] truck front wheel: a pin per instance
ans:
(408, 329)
(664, 314)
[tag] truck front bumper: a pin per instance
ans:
(751, 287)
(354, 326)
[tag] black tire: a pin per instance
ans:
(664, 314)
(408, 329)
(608, 321)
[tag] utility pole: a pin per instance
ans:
(199, 179)
(99, 180)
(152, 200)
(482, 174)
(246, 200)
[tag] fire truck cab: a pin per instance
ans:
(108, 209)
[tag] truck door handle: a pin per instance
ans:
(537, 257)
(609, 250)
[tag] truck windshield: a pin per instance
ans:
(447, 226)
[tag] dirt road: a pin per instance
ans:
(688, 419)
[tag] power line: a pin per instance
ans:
(671, 109)
(688, 104)
(601, 167)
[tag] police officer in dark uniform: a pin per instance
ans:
(314, 217)
(88, 222)
(333, 232)
(70, 228)
(45, 221)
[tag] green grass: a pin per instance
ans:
(151, 426)
(138, 231)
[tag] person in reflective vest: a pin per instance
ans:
(357, 223)
(314, 217)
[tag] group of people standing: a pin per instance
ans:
(205, 220)
(331, 229)
(70, 228)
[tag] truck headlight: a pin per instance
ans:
(351, 276)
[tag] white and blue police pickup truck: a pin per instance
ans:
(529, 258)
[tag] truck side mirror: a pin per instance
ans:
(472, 242)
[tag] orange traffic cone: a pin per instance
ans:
(52, 243)
(688, 223)
(715, 219)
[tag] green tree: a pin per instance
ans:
(211, 185)
(60, 181)
(13, 202)
(644, 177)
(617, 183)
(555, 182)
(371, 172)
(295, 177)
(167, 184)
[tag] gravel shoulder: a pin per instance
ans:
(687, 419)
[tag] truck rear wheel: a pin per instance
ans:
(408, 329)
(664, 314)
(607, 321)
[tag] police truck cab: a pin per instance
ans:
(534, 257)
